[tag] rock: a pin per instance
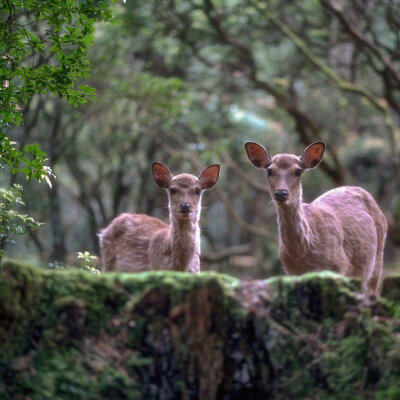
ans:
(167, 335)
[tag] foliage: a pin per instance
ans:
(88, 262)
(186, 83)
(30, 156)
(12, 222)
(43, 50)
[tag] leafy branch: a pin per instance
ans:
(61, 51)
(12, 222)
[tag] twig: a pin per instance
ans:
(223, 254)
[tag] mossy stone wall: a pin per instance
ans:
(165, 335)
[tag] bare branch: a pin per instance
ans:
(305, 126)
(239, 171)
(356, 34)
(240, 222)
(378, 103)
(223, 254)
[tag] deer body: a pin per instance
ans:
(343, 230)
(138, 242)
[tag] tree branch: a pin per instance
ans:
(378, 103)
(223, 254)
(305, 126)
(239, 171)
(356, 34)
(241, 223)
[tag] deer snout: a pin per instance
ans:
(185, 208)
(281, 195)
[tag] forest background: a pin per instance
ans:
(106, 88)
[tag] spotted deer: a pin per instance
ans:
(138, 242)
(343, 230)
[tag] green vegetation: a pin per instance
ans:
(169, 335)
(88, 262)
(12, 222)
(43, 50)
(187, 83)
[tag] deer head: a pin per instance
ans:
(185, 190)
(285, 170)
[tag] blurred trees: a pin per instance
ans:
(187, 82)
(43, 50)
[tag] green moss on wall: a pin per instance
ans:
(166, 335)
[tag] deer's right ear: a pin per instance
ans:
(258, 155)
(161, 175)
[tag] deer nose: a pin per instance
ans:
(281, 195)
(185, 208)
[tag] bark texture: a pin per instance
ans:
(169, 335)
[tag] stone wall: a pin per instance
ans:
(164, 335)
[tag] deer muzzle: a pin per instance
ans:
(281, 195)
(185, 208)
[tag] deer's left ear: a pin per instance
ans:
(209, 176)
(312, 155)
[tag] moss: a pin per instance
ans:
(72, 334)
(177, 283)
(391, 287)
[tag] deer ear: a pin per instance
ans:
(209, 177)
(312, 155)
(258, 155)
(161, 175)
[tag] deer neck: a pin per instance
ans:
(294, 230)
(185, 241)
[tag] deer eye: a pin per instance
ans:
(172, 191)
(297, 172)
(197, 191)
(269, 172)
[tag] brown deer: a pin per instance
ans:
(138, 242)
(343, 230)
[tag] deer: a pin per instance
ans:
(139, 242)
(343, 230)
